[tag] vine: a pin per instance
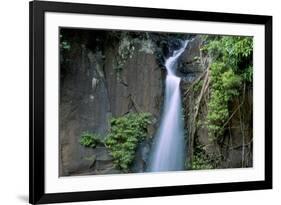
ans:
(230, 69)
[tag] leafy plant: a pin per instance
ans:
(201, 160)
(231, 67)
(124, 135)
(225, 85)
(88, 139)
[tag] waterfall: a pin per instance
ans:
(168, 150)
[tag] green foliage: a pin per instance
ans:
(248, 74)
(225, 85)
(124, 135)
(88, 139)
(200, 159)
(234, 51)
(200, 162)
(231, 67)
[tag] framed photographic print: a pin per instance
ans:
(140, 102)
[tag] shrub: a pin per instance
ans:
(124, 135)
(201, 160)
(88, 139)
(225, 85)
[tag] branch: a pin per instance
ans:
(196, 109)
(231, 116)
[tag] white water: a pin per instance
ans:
(168, 151)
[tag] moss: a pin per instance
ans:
(125, 51)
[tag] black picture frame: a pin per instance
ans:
(37, 10)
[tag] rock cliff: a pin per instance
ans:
(92, 91)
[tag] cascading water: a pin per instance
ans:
(168, 151)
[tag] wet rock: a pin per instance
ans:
(141, 158)
(190, 59)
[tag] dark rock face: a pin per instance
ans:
(142, 157)
(239, 134)
(91, 92)
(191, 64)
(81, 88)
(139, 88)
(191, 57)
